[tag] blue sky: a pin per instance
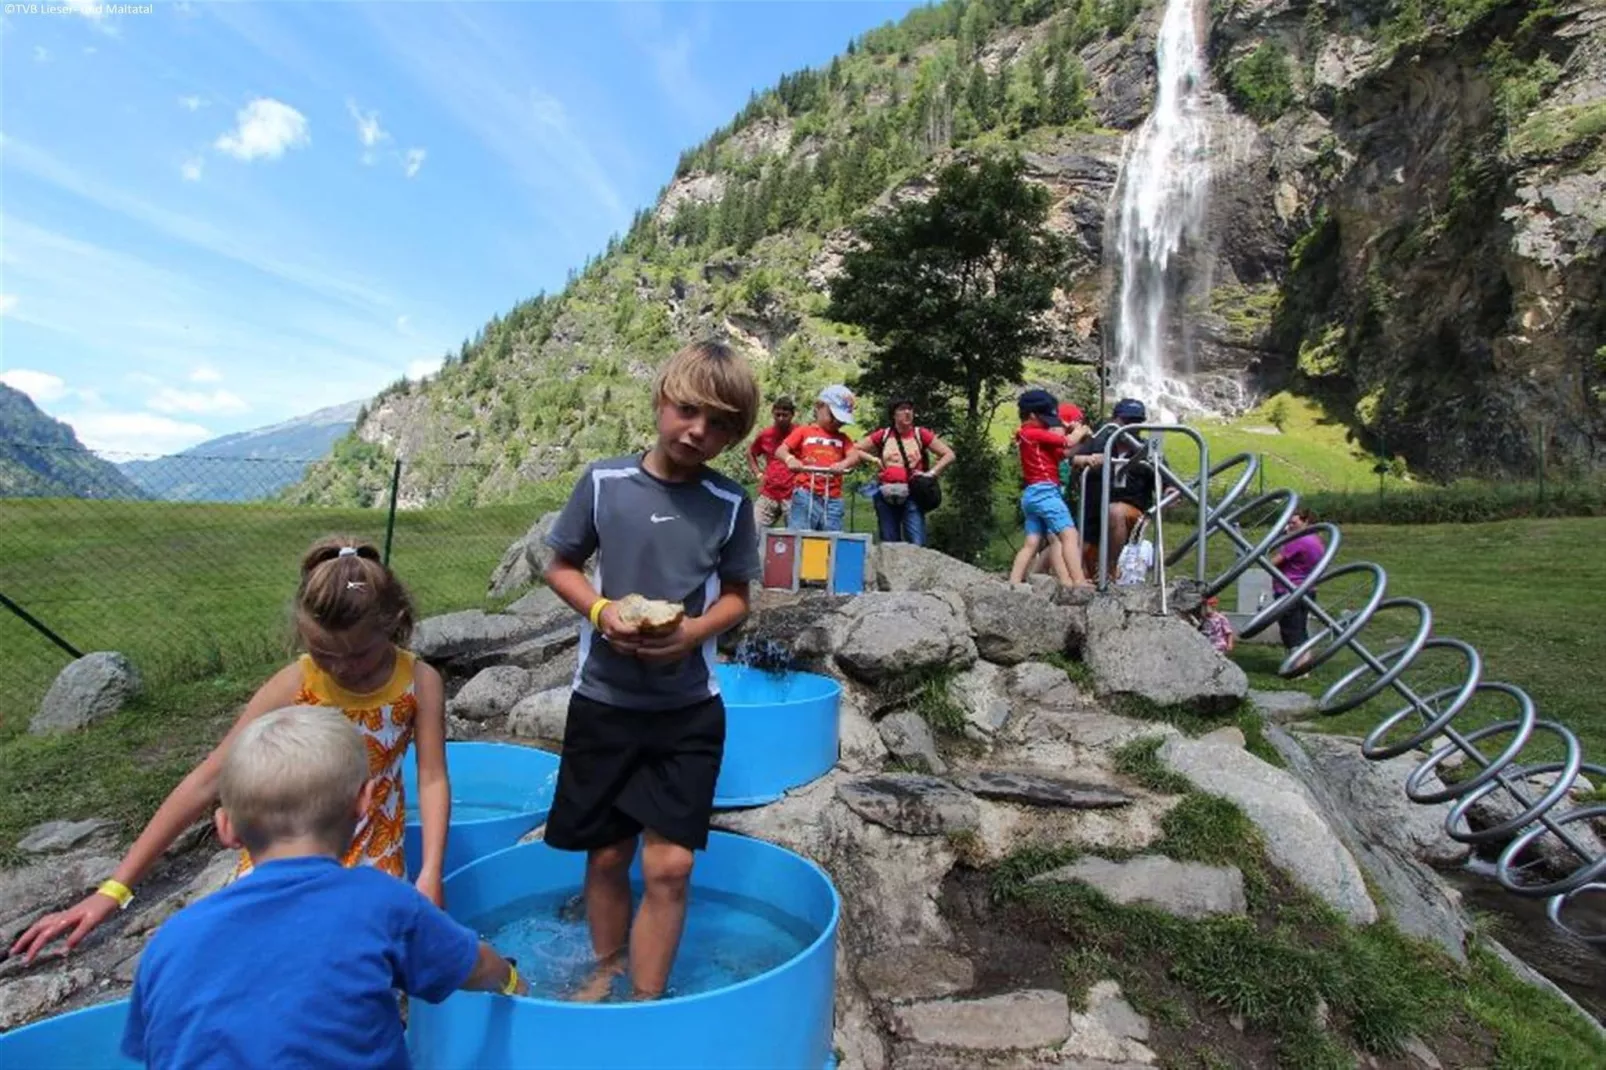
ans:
(215, 216)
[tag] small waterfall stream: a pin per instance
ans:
(1164, 189)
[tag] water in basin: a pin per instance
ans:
(728, 938)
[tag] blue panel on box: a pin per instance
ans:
(848, 570)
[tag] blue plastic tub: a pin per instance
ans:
(500, 791)
(781, 1018)
(88, 1039)
(780, 732)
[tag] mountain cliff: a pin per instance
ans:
(41, 457)
(1405, 222)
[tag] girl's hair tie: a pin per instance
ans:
(348, 551)
(353, 585)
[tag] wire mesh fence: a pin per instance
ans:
(188, 564)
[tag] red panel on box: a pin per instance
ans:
(780, 560)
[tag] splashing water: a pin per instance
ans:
(766, 655)
(1164, 191)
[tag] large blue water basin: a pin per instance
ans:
(780, 732)
(500, 791)
(779, 1017)
(81, 1040)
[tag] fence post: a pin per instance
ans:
(39, 626)
(390, 521)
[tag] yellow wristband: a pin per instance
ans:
(117, 890)
(512, 984)
(596, 610)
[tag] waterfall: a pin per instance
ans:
(1164, 188)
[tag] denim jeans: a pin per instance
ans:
(811, 512)
(903, 522)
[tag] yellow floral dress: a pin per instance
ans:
(385, 718)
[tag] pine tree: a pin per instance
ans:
(1067, 100)
(979, 98)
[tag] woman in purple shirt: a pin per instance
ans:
(1297, 559)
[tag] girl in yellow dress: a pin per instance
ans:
(352, 616)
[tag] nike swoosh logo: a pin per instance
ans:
(656, 519)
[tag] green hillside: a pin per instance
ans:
(41, 457)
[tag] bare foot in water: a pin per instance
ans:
(596, 987)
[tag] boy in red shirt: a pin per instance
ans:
(774, 500)
(1042, 442)
(819, 453)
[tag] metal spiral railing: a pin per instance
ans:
(1429, 719)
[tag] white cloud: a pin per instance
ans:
(197, 402)
(369, 132)
(191, 169)
(7, 303)
(413, 161)
(206, 374)
(41, 386)
(404, 324)
(41, 54)
(135, 432)
(191, 103)
(266, 128)
(94, 11)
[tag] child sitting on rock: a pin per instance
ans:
(298, 963)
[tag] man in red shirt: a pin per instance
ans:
(819, 453)
(1042, 442)
(774, 499)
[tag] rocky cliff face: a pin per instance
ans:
(1405, 221)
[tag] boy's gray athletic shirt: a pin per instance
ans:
(671, 541)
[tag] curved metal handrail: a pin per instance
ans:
(1380, 672)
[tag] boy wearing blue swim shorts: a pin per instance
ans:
(1041, 441)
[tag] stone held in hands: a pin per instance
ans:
(90, 689)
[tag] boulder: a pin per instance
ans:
(469, 640)
(1035, 789)
(49, 884)
(90, 689)
(980, 691)
(889, 882)
(1012, 624)
(1163, 659)
(1283, 707)
(1298, 840)
(525, 560)
(545, 609)
(1373, 795)
(901, 974)
(885, 636)
(1185, 889)
(1499, 807)
(903, 566)
(53, 836)
(860, 747)
(911, 803)
(1109, 1032)
(27, 998)
(541, 716)
(909, 738)
(491, 693)
(1032, 1019)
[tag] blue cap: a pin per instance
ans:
(839, 399)
(1043, 405)
(1130, 409)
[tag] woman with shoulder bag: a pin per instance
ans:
(907, 489)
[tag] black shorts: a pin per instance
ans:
(625, 770)
(1293, 627)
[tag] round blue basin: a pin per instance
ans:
(780, 732)
(500, 791)
(87, 1039)
(744, 892)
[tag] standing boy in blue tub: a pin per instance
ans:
(298, 962)
(646, 729)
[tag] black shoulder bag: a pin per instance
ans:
(924, 490)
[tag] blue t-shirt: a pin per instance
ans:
(294, 965)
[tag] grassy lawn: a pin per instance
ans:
(198, 596)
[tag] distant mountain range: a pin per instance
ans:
(245, 466)
(40, 457)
